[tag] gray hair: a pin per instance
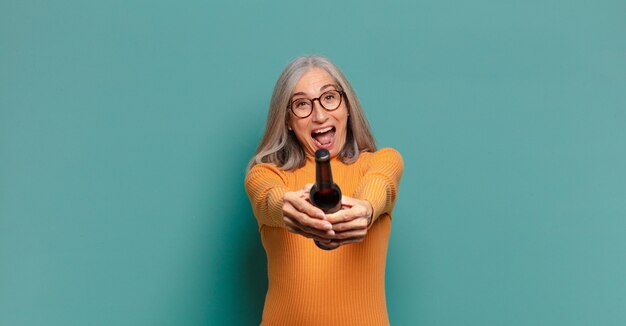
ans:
(281, 147)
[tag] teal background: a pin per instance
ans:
(126, 126)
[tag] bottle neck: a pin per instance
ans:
(323, 175)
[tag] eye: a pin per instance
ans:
(300, 103)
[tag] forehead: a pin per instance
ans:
(313, 80)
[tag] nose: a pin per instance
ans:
(319, 113)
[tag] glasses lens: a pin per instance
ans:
(330, 100)
(301, 107)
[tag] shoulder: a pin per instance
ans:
(265, 170)
(388, 152)
(384, 155)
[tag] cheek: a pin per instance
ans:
(300, 128)
(343, 121)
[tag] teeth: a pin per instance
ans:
(321, 131)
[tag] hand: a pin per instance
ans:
(302, 218)
(350, 223)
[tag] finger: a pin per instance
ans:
(304, 206)
(291, 196)
(356, 224)
(312, 236)
(350, 234)
(348, 201)
(302, 194)
(346, 215)
(349, 241)
(340, 216)
(306, 234)
(309, 233)
(304, 220)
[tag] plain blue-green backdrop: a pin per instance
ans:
(126, 126)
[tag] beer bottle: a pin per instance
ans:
(325, 194)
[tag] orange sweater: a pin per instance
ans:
(310, 286)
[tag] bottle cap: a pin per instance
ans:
(322, 155)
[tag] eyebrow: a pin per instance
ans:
(321, 89)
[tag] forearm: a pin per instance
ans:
(265, 188)
(379, 185)
(268, 207)
(380, 192)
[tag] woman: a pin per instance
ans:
(313, 106)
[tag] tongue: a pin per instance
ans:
(325, 138)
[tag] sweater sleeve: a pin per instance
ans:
(266, 185)
(379, 184)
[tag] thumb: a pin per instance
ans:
(348, 201)
(307, 187)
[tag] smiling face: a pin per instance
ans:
(321, 129)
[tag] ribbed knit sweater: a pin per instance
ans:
(310, 286)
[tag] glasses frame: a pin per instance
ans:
(312, 100)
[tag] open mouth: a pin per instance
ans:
(324, 137)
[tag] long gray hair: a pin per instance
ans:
(279, 146)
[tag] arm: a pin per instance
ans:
(274, 205)
(266, 186)
(379, 185)
(375, 196)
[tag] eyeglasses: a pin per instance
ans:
(329, 100)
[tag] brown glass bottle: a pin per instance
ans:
(324, 194)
